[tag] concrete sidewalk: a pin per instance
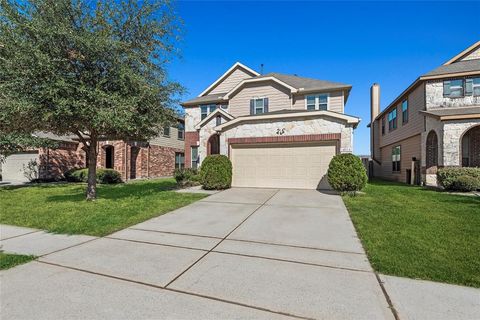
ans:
(36, 242)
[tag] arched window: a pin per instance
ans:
(109, 157)
(213, 146)
(471, 147)
(432, 150)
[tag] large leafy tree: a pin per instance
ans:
(94, 70)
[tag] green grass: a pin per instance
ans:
(8, 260)
(418, 233)
(61, 208)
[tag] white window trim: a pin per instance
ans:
(255, 106)
(209, 105)
(317, 101)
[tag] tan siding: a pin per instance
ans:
(474, 55)
(231, 81)
(172, 141)
(409, 148)
(415, 124)
(278, 97)
(335, 101)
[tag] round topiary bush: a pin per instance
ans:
(466, 184)
(346, 173)
(216, 172)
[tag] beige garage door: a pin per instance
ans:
(301, 166)
(14, 167)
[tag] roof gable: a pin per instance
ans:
(230, 78)
(472, 52)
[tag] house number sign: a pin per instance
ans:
(281, 131)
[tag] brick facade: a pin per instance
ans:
(191, 139)
(139, 160)
(54, 162)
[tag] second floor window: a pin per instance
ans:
(258, 105)
(181, 131)
(383, 125)
(472, 87)
(396, 151)
(453, 88)
(206, 109)
(317, 102)
(405, 111)
(392, 120)
(166, 131)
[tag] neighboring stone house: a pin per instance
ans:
(157, 157)
(434, 123)
(278, 130)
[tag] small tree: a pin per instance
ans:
(92, 69)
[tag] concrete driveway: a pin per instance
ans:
(238, 254)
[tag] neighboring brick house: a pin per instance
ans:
(434, 123)
(278, 130)
(133, 159)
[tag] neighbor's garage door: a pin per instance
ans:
(13, 168)
(301, 166)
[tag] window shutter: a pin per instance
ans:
(265, 105)
(252, 107)
(446, 88)
(469, 87)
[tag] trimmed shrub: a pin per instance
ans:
(187, 177)
(216, 172)
(466, 184)
(104, 176)
(446, 177)
(108, 176)
(346, 173)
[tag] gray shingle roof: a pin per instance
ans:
(52, 136)
(456, 67)
(441, 112)
(205, 99)
(308, 84)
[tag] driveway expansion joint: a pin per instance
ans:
(223, 239)
(175, 290)
(177, 233)
(155, 243)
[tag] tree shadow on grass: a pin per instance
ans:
(118, 191)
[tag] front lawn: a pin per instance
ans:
(62, 208)
(418, 233)
(8, 260)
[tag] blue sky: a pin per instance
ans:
(358, 43)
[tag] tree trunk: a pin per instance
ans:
(92, 170)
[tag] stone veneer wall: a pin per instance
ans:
(295, 127)
(435, 99)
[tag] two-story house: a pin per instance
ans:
(157, 157)
(433, 123)
(278, 130)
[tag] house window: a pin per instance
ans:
(383, 125)
(472, 87)
(206, 109)
(166, 131)
(258, 106)
(195, 159)
(396, 159)
(404, 111)
(179, 160)
(181, 131)
(392, 120)
(317, 102)
(453, 88)
(218, 120)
